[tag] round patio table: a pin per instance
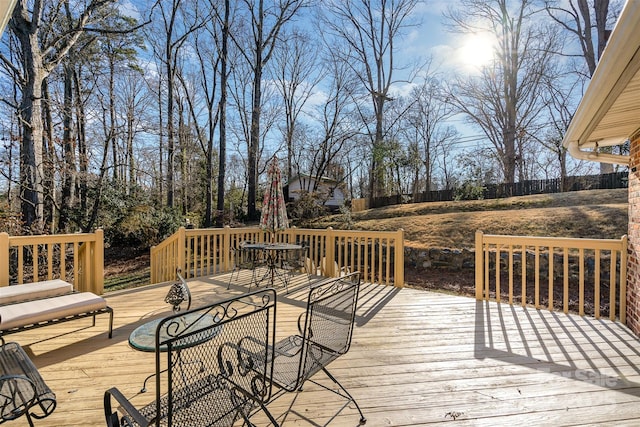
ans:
(143, 338)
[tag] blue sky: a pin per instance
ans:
(428, 39)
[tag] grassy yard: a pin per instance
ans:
(588, 214)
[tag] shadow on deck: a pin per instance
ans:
(417, 358)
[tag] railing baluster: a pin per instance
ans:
(581, 281)
(537, 277)
(612, 286)
(551, 277)
(20, 249)
(498, 273)
(36, 267)
(63, 261)
(50, 250)
(510, 274)
(596, 283)
(523, 300)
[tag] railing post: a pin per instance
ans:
(98, 263)
(398, 268)
(152, 264)
(4, 259)
(330, 254)
(226, 260)
(182, 251)
(479, 266)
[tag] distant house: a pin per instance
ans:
(609, 115)
(329, 191)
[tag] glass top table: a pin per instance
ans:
(143, 338)
(273, 256)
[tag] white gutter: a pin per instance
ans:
(595, 156)
(612, 74)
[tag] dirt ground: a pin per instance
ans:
(463, 283)
(459, 282)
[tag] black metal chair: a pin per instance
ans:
(294, 261)
(325, 330)
(22, 388)
(246, 259)
(230, 339)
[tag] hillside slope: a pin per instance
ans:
(586, 214)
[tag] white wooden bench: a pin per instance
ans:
(33, 305)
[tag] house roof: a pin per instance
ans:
(301, 176)
(6, 8)
(609, 113)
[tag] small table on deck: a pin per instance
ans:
(273, 253)
(143, 338)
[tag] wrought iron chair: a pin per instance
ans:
(325, 330)
(244, 259)
(179, 295)
(295, 261)
(230, 338)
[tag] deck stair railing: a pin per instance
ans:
(580, 275)
(75, 258)
(379, 256)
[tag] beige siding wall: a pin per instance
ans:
(633, 270)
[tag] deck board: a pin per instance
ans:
(417, 358)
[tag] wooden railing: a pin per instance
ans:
(580, 273)
(76, 258)
(379, 256)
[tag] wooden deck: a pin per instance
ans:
(417, 358)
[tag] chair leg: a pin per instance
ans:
(363, 420)
(231, 278)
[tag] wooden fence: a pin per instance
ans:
(379, 256)
(75, 258)
(582, 275)
(524, 188)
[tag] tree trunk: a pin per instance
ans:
(83, 155)
(68, 173)
(31, 167)
(130, 157)
(112, 121)
(170, 130)
(50, 155)
(222, 158)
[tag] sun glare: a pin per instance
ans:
(477, 50)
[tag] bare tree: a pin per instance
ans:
(337, 125)
(425, 127)
(505, 100)
(202, 95)
(178, 22)
(371, 30)
(36, 25)
(267, 21)
(589, 23)
(225, 21)
(295, 70)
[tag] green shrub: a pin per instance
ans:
(135, 221)
(307, 207)
(469, 191)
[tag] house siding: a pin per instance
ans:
(297, 184)
(633, 265)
